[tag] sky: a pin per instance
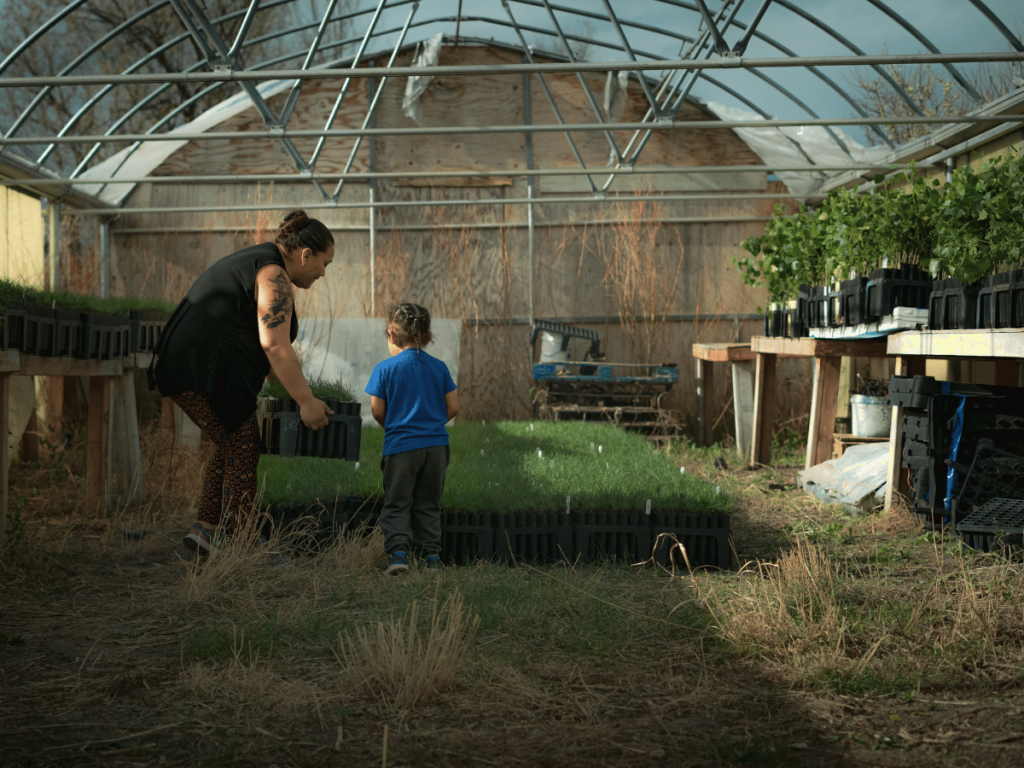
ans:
(953, 26)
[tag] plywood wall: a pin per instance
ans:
(472, 261)
(21, 238)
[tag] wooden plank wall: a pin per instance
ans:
(472, 261)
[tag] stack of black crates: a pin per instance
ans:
(852, 302)
(991, 416)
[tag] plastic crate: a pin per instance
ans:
(611, 535)
(817, 307)
(467, 537)
(996, 516)
(68, 341)
(993, 474)
(13, 328)
(283, 434)
(853, 301)
(104, 337)
(145, 328)
(887, 289)
(533, 537)
(704, 537)
(952, 305)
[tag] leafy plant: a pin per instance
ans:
(790, 253)
(980, 225)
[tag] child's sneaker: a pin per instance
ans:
(397, 563)
(200, 539)
(433, 563)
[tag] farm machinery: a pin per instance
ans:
(628, 395)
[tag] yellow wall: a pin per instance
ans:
(21, 238)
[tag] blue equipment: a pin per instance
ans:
(626, 394)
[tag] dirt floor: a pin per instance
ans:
(99, 666)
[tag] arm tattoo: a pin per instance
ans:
(281, 303)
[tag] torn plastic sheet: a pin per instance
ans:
(856, 480)
(789, 147)
(427, 53)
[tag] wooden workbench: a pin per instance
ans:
(113, 429)
(912, 348)
(707, 355)
(828, 355)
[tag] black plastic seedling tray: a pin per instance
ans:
(996, 516)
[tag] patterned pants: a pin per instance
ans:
(229, 477)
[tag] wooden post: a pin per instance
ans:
(167, 407)
(1007, 373)
(823, 410)
(127, 455)
(705, 388)
(30, 439)
(5, 379)
(764, 409)
(55, 405)
(97, 465)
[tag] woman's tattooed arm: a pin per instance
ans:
(281, 302)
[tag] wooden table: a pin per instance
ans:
(828, 355)
(912, 348)
(707, 355)
(113, 429)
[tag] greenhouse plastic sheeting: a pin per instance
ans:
(782, 147)
(856, 480)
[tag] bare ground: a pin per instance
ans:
(98, 664)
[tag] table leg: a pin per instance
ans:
(705, 388)
(125, 441)
(764, 409)
(96, 463)
(1007, 373)
(823, 410)
(5, 379)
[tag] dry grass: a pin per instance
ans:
(118, 651)
(407, 664)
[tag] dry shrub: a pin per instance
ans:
(357, 552)
(405, 666)
(790, 606)
(237, 570)
(253, 683)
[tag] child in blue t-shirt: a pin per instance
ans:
(412, 396)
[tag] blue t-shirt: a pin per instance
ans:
(413, 385)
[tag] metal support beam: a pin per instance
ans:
(243, 30)
(293, 95)
(372, 107)
(629, 52)
(547, 92)
(721, 48)
(53, 231)
(356, 61)
(104, 258)
(583, 81)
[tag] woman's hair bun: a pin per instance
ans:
(294, 221)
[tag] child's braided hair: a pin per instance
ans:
(409, 324)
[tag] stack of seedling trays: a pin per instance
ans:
(887, 299)
(929, 421)
(996, 518)
(657, 537)
(283, 433)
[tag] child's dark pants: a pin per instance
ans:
(413, 484)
